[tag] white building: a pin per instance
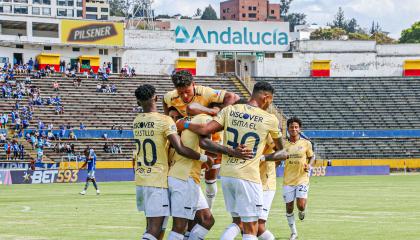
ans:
(49, 8)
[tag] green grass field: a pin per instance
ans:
(374, 207)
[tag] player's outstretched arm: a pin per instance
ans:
(83, 166)
(196, 108)
(176, 143)
(240, 152)
(203, 129)
(279, 154)
(165, 107)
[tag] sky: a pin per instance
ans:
(393, 15)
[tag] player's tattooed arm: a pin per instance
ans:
(240, 152)
(279, 154)
(165, 107)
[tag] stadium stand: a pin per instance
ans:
(99, 110)
(354, 104)
(350, 103)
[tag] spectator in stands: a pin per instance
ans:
(133, 72)
(2, 138)
(16, 150)
(40, 154)
(118, 148)
(56, 86)
(2, 122)
(17, 125)
(105, 77)
(113, 148)
(106, 148)
(30, 65)
(50, 135)
(99, 87)
(25, 123)
(21, 151)
(79, 82)
(72, 135)
(6, 118)
(69, 126)
(50, 126)
(8, 149)
(78, 66)
(82, 126)
(62, 131)
(108, 88)
(113, 88)
(33, 141)
(105, 136)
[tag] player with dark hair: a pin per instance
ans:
(187, 99)
(296, 177)
(152, 132)
(91, 167)
(248, 124)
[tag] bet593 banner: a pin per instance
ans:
(92, 33)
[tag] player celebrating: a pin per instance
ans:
(152, 131)
(247, 124)
(187, 199)
(184, 96)
(296, 177)
(91, 167)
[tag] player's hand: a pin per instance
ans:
(307, 167)
(180, 124)
(209, 163)
(243, 152)
(214, 111)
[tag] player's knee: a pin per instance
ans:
(179, 226)
(207, 221)
(261, 227)
(154, 230)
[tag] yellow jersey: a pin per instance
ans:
(245, 124)
(202, 95)
(183, 167)
(299, 153)
(268, 168)
(150, 135)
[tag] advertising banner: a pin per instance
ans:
(344, 171)
(92, 33)
(231, 35)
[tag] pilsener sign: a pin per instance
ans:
(231, 35)
(91, 32)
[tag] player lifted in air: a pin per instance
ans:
(187, 199)
(296, 177)
(248, 124)
(152, 131)
(184, 96)
(91, 167)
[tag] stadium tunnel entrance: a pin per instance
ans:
(243, 64)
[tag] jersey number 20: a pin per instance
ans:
(142, 147)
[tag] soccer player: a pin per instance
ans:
(152, 131)
(91, 167)
(296, 177)
(268, 180)
(187, 199)
(184, 96)
(247, 124)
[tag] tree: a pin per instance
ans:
(160, 16)
(382, 38)
(375, 28)
(116, 8)
(412, 34)
(198, 12)
(328, 34)
(352, 26)
(209, 14)
(358, 36)
(296, 19)
(339, 20)
(284, 8)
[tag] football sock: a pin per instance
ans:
(291, 221)
(94, 184)
(267, 235)
(198, 232)
(249, 237)
(175, 236)
(231, 232)
(211, 191)
(147, 236)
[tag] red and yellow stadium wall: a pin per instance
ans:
(320, 68)
(50, 59)
(93, 61)
(188, 64)
(412, 68)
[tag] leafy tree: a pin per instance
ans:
(339, 20)
(412, 34)
(296, 19)
(116, 8)
(328, 34)
(382, 38)
(284, 7)
(358, 36)
(165, 16)
(352, 26)
(198, 12)
(209, 14)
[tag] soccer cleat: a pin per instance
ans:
(82, 192)
(98, 192)
(293, 236)
(301, 215)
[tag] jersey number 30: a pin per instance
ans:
(143, 147)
